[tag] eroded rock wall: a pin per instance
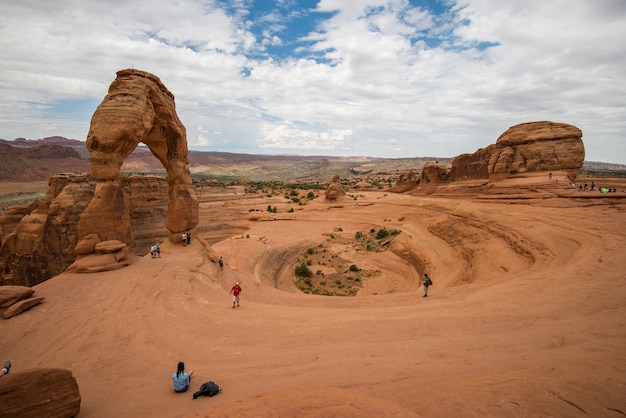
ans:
(39, 239)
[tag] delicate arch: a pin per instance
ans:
(138, 108)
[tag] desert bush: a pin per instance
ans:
(382, 233)
(353, 267)
(303, 271)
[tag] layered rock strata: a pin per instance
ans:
(40, 239)
(522, 150)
(36, 393)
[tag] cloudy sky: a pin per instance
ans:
(384, 78)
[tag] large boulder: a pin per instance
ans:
(536, 147)
(39, 393)
(526, 149)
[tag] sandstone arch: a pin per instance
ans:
(138, 108)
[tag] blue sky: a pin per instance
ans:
(377, 78)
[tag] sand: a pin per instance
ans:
(526, 316)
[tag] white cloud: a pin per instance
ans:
(382, 77)
(288, 136)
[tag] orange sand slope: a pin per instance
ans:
(526, 318)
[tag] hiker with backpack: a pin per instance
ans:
(181, 379)
(427, 282)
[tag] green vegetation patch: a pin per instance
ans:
(321, 271)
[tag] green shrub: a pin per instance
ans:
(353, 267)
(303, 271)
(382, 233)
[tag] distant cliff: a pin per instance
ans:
(38, 162)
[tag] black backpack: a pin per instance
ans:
(208, 389)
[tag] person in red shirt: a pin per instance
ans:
(235, 291)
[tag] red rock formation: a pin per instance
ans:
(21, 306)
(433, 173)
(12, 294)
(138, 108)
(407, 181)
(472, 166)
(37, 393)
(537, 146)
(335, 190)
(39, 240)
(523, 149)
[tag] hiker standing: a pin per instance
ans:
(235, 291)
(427, 282)
(221, 262)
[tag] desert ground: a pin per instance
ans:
(526, 317)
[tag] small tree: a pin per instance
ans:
(303, 271)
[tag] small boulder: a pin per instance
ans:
(21, 306)
(87, 245)
(11, 294)
(109, 247)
